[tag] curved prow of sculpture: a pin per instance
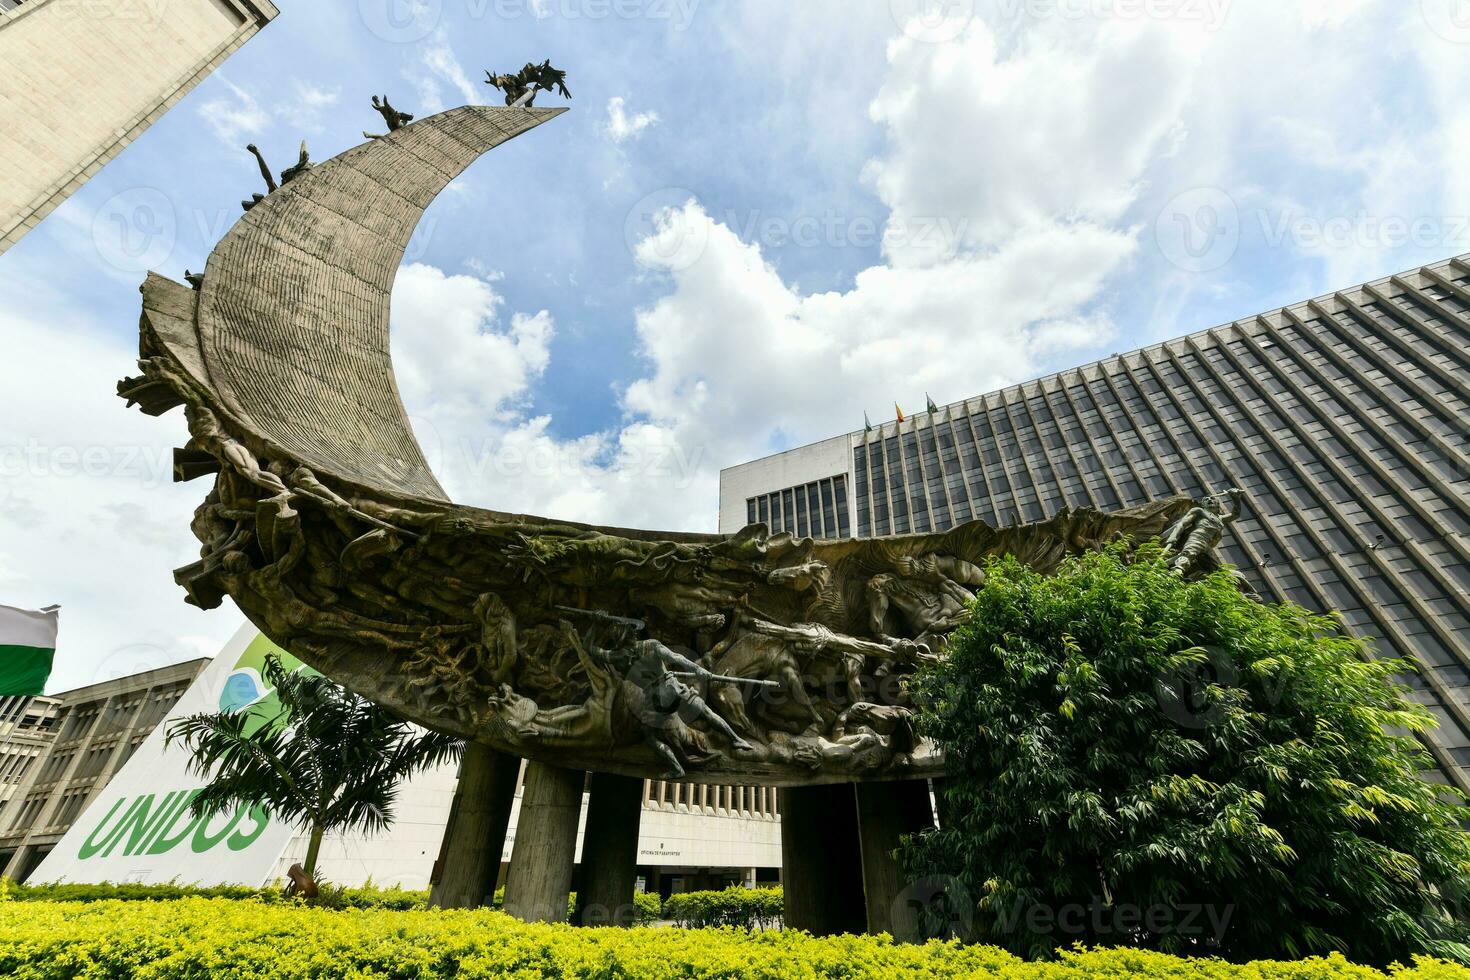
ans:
(292, 325)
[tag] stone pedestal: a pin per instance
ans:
(474, 838)
(885, 812)
(610, 851)
(541, 862)
(821, 865)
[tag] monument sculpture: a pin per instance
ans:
(754, 658)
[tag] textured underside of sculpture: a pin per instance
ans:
(754, 657)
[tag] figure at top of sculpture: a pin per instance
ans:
(1199, 531)
(396, 120)
(303, 164)
(520, 89)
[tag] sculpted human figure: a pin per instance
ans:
(211, 437)
(791, 655)
(926, 601)
(694, 606)
(1200, 531)
(635, 693)
(499, 648)
(888, 722)
(649, 666)
(396, 120)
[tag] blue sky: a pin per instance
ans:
(759, 220)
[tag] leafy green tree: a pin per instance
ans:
(328, 759)
(1139, 760)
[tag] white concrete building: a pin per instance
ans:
(83, 78)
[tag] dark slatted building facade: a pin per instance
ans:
(1345, 419)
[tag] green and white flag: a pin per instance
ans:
(27, 646)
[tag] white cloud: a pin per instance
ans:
(304, 109)
(235, 116)
(87, 496)
(438, 64)
(1059, 129)
(623, 125)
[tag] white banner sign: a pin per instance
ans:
(138, 828)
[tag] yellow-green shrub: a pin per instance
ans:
(252, 940)
(748, 908)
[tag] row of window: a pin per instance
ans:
(812, 510)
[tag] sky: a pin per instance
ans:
(759, 220)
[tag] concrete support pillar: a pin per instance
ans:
(15, 870)
(610, 851)
(941, 805)
(474, 837)
(545, 851)
(821, 865)
(887, 811)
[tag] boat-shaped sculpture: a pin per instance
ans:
(753, 657)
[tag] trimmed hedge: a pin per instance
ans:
(747, 908)
(332, 896)
(647, 907)
(253, 940)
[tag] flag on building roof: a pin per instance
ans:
(933, 408)
(27, 647)
(867, 426)
(898, 410)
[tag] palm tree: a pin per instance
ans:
(328, 759)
